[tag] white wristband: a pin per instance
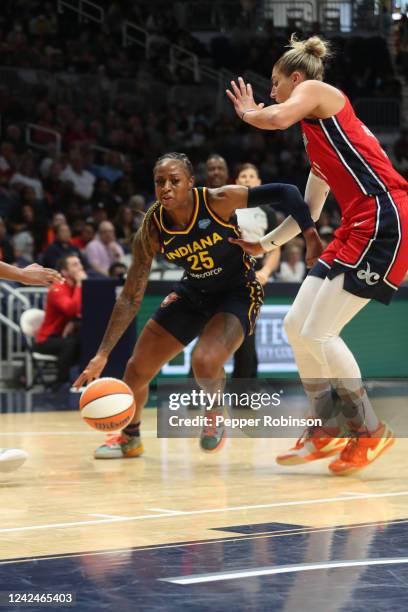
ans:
(268, 244)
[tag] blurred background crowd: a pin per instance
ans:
(85, 112)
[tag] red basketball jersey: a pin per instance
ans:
(344, 152)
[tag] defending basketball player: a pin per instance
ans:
(34, 274)
(217, 300)
(367, 259)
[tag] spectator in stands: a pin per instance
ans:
(118, 271)
(138, 205)
(86, 234)
(8, 162)
(28, 220)
(103, 193)
(216, 171)
(26, 177)
(81, 180)
(126, 226)
(293, 268)
(401, 153)
(61, 247)
(6, 248)
(112, 170)
(254, 224)
(59, 333)
(104, 250)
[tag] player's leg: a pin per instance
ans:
(315, 443)
(332, 309)
(11, 459)
(221, 337)
(154, 348)
(174, 324)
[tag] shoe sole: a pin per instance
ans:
(136, 452)
(296, 460)
(353, 470)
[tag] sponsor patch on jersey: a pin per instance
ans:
(204, 223)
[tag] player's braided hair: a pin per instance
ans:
(144, 234)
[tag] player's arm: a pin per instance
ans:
(127, 305)
(303, 101)
(226, 200)
(316, 193)
(33, 274)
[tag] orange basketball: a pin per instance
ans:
(107, 404)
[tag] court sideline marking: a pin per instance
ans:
(246, 537)
(282, 569)
(168, 513)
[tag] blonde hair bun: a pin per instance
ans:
(312, 46)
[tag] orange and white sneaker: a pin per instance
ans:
(315, 443)
(120, 446)
(362, 449)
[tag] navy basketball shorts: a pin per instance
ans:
(186, 310)
(371, 249)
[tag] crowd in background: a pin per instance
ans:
(90, 197)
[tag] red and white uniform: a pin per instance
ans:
(371, 245)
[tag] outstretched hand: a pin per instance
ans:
(252, 248)
(35, 274)
(242, 97)
(93, 370)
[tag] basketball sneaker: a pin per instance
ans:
(11, 459)
(362, 449)
(315, 443)
(120, 446)
(212, 436)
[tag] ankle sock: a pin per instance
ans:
(133, 429)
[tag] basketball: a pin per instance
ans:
(107, 404)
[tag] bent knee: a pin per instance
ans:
(205, 365)
(138, 373)
(292, 326)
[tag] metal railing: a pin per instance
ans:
(14, 301)
(178, 56)
(336, 16)
(39, 128)
(185, 59)
(294, 13)
(85, 9)
(132, 33)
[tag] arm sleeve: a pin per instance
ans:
(316, 193)
(287, 197)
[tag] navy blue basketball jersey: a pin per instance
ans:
(202, 249)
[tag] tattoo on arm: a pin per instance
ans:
(130, 299)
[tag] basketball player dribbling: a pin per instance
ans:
(12, 458)
(217, 300)
(367, 259)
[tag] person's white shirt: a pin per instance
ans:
(83, 183)
(29, 182)
(253, 223)
(292, 274)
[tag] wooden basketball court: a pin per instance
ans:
(180, 528)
